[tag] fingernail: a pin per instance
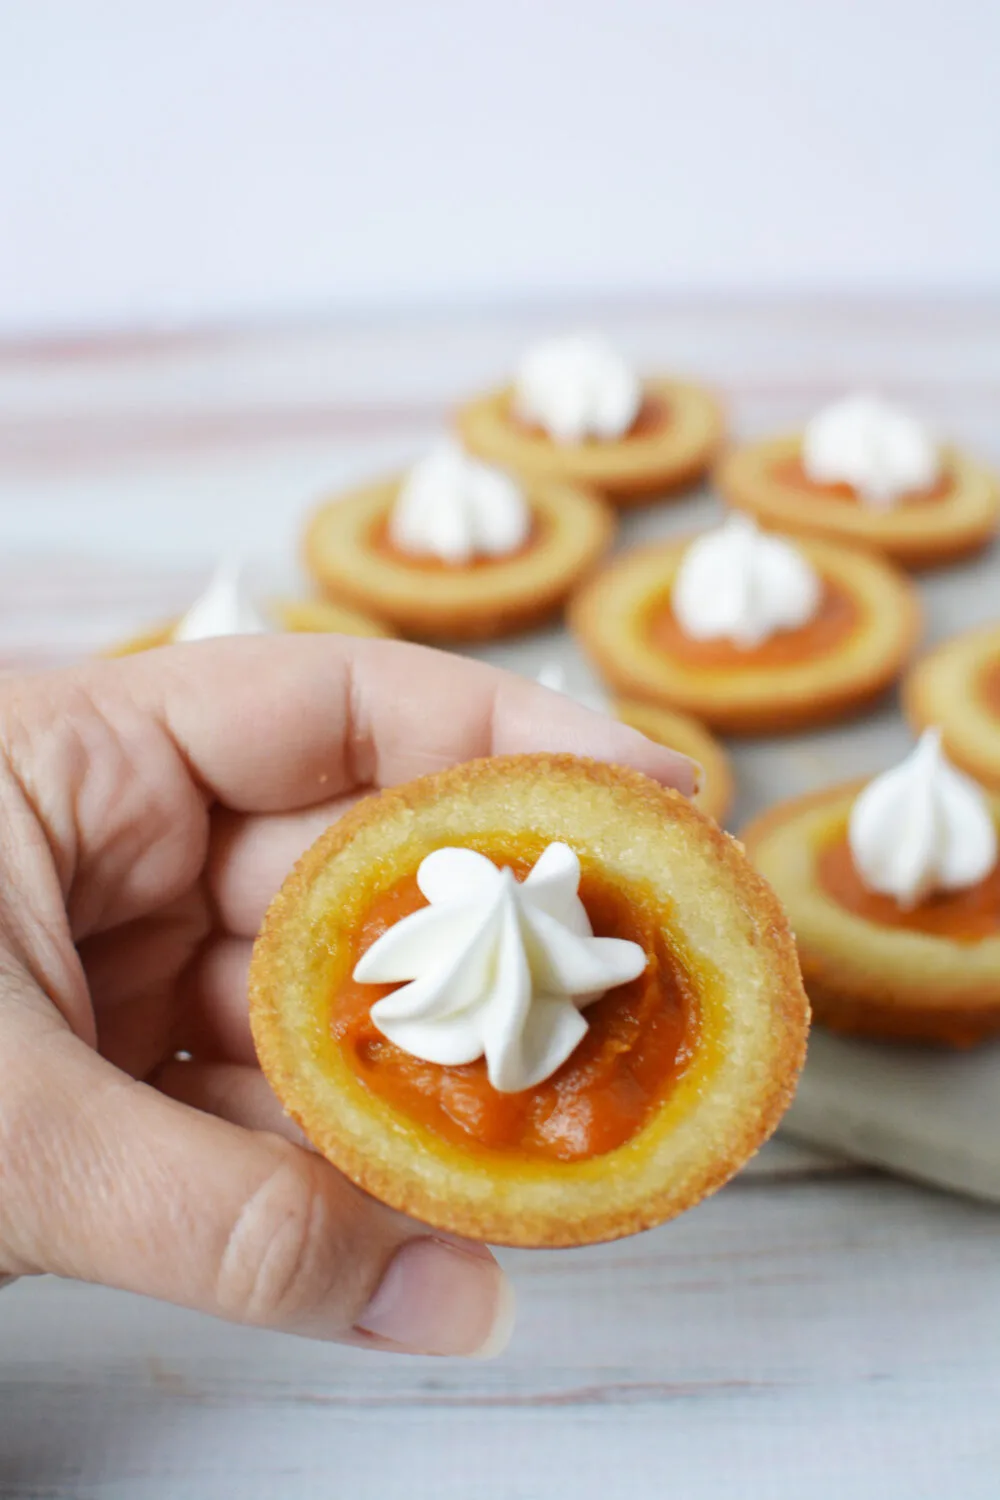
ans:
(685, 774)
(438, 1298)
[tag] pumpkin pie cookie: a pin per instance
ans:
(577, 413)
(533, 1000)
(748, 632)
(457, 550)
(224, 609)
(957, 685)
(893, 891)
(863, 471)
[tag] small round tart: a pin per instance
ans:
(871, 967)
(958, 516)
(679, 1078)
(957, 685)
(671, 444)
(349, 554)
(680, 732)
(868, 622)
(298, 616)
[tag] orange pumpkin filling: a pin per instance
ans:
(791, 472)
(641, 1037)
(653, 417)
(966, 916)
(836, 618)
(381, 542)
(990, 688)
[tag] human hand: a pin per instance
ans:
(149, 808)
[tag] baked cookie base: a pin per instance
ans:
(493, 598)
(922, 534)
(629, 471)
(730, 1098)
(609, 618)
(297, 616)
(864, 979)
(945, 687)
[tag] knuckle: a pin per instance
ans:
(280, 1259)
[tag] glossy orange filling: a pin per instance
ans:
(381, 542)
(990, 688)
(653, 417)
(640, 1039)
(966, 916)
(790, 472)
(836, 618)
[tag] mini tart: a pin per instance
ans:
(673, 442)
(347, 552)
(857, 646)
(864, 975)
(957, 685)
(958, 517)
(297, 616)
(716, 931)
(680, 732)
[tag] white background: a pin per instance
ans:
(207, 160)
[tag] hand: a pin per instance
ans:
(149, 808)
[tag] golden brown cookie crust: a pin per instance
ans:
(627, 470)
(298, 616)
(322, 616)
(609, 615)
(494, 598)
(753, 1011)
(946, 687)
(918, 535)
(680, 732)
(863, 978)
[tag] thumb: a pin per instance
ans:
(109, 1181)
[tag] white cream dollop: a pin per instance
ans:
(738, 583)
(453, 507)
(496, 968)
(922, 827)
(869, 443)
(577, 387)
(223, 609)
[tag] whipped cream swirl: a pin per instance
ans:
(496, 968)
(453, 507)
(922, 827)
(577, 387)
(737, 583)
(223, 609)
(869, 443)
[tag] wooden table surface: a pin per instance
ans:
(813, 1331)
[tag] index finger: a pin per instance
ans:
(277, 723)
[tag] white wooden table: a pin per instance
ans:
(815, 1330)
